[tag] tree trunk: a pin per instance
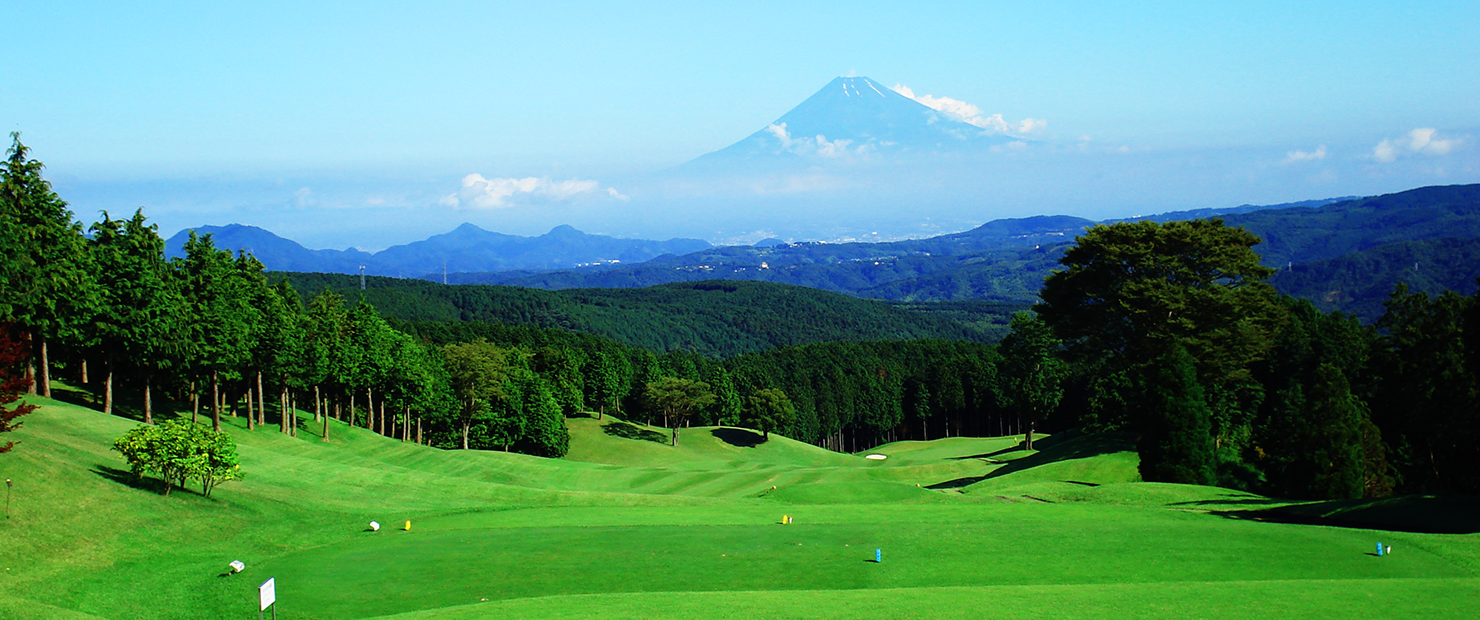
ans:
(251, 411)
(261, 401)
(108, 389)
(406, 424)
(370, 409)
(382, 419)
(194, 403)
(84, 371)
(283, 412)
(216, 401)
(148, 405)
(351, 408)
(418, 432)
(465, 436)
(45, 371)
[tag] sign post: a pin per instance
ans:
(267, 596)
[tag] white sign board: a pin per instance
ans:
(267, 592)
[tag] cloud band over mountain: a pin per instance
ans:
(478, 192)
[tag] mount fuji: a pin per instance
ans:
(850, 119)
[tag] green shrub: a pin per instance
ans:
(177, 451)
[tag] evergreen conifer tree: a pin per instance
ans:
(1176, 441)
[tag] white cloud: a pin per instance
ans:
(819, 145)
(1421, 141)
(1030, 125)
(836, 148)
(971, 114)
(482, 193)
(1299, 156)
(781, 134)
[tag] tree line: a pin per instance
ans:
(210, 332)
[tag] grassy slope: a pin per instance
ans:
(629, 528)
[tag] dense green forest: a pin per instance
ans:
(1171, 331)
(711, 318)
(1359, 283)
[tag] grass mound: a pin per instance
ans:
(1070, 464)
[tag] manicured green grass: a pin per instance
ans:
(1256, 600)
(629, 528)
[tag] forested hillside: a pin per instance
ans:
(1359, 283)
(1303, 235)
(711, 318)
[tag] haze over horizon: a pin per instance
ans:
(336, 125)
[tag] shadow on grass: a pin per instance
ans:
(1080, 447)
(1252, 501)
(1427, 514)
(957, 483)
(741, 437)
(630, 431)
(1041, 444)
(990, 455)
(127, 478)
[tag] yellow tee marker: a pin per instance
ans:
(408, 526)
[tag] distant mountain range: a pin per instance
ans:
(1342, 253)
(565, 257)
(467, 248)
(1003, 259)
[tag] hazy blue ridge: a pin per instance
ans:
(466, 248)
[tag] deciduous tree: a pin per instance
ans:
(13, 382)
(769, 410)
(677, 399)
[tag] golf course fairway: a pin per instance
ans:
(627, 528)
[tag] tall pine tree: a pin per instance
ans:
(1176, 438)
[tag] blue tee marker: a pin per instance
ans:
(1379, 550)
(878, 556)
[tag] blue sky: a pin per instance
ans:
(351, 123)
